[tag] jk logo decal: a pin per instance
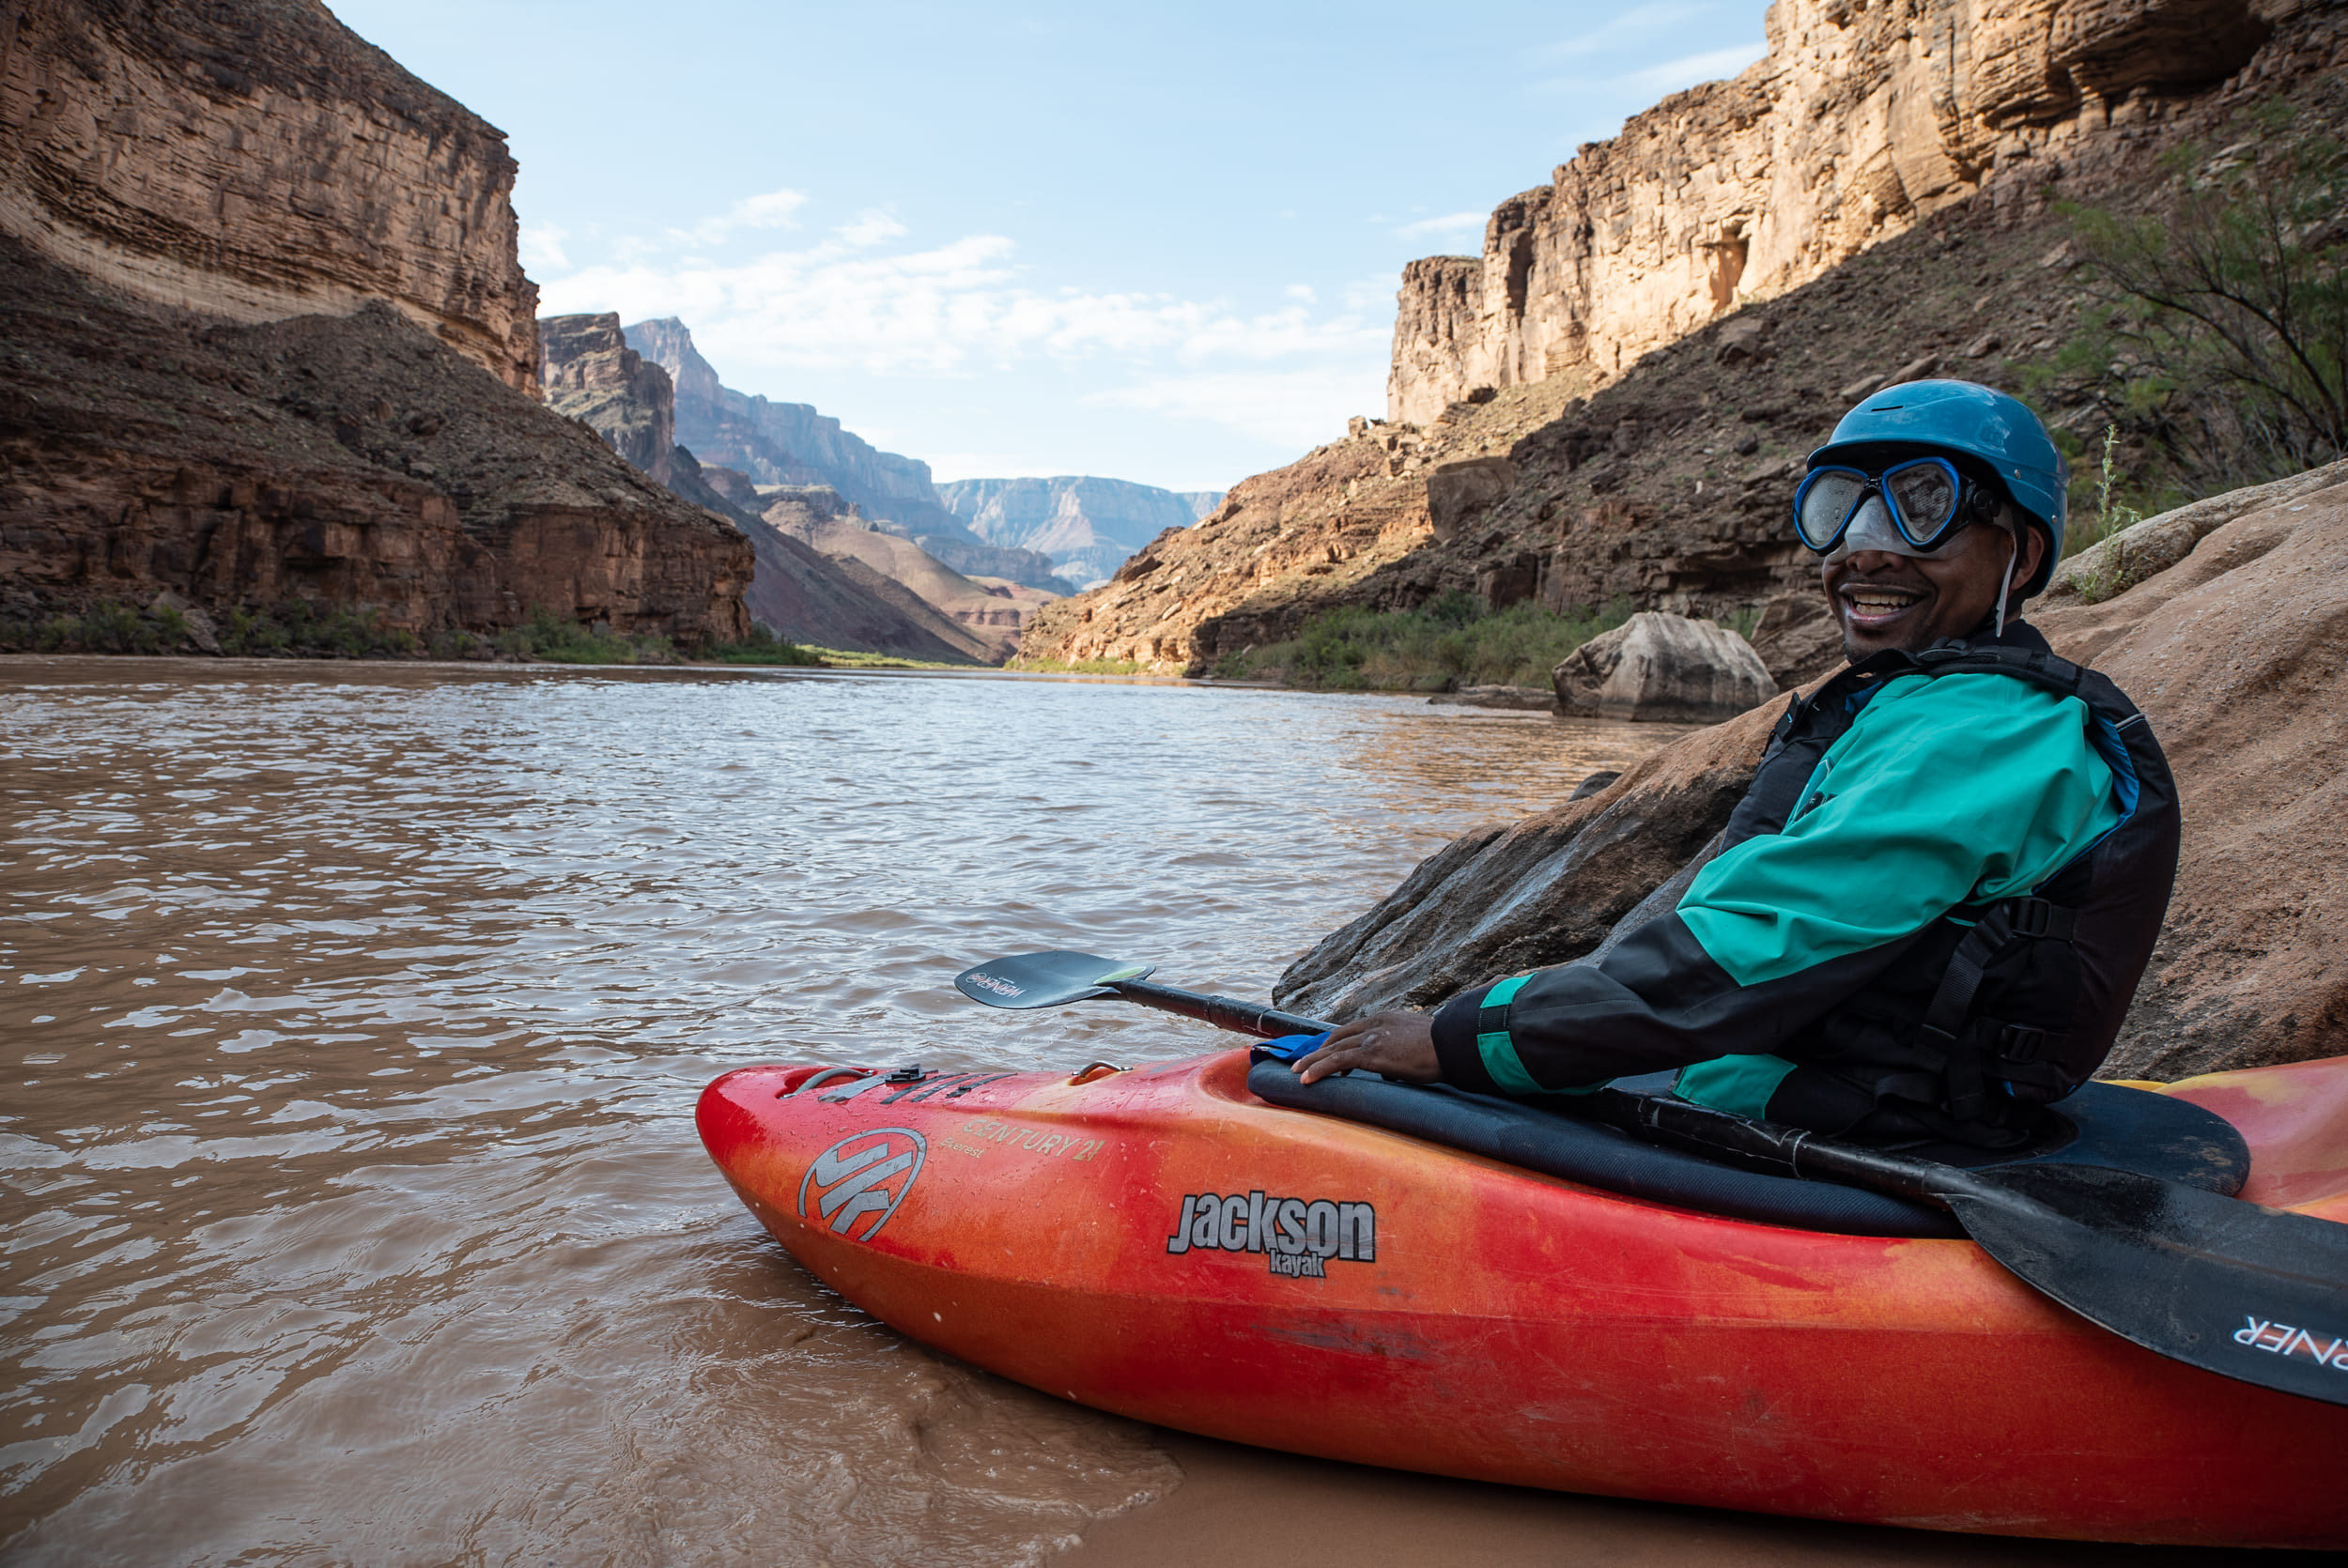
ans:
(1298, 1237)
(865, 1174)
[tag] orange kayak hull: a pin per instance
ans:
(1161, 1244)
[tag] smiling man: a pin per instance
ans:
(1928, 916)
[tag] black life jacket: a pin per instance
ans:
(1995, 1009)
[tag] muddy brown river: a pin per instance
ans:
(352, 1019)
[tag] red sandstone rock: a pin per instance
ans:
(254, 160)
(353, 462)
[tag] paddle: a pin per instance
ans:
(2249, 1293)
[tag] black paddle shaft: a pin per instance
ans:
(1224, 1013)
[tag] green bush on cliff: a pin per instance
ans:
(1449, 642)
(2213, 346)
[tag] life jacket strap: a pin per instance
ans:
(1971, 1055)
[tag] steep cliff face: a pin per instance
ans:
(351, 463)
(254, 160)
(1087, 525)
(787, 443)
(1667, 485)
(1862, 120)
(803, 592)
(590, 373)
(268, 342)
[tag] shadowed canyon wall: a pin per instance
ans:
(1864, 118)
(254, 160)
(268, 342)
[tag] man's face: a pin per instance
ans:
(1883, 600)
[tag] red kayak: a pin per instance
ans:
(1165, 1244)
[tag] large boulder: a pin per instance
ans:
(2238, 652)
(1459, 493)
(1659, 665)
(1798, 638)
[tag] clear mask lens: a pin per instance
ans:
(1825, 502)
(1872, 530)
(1925, 494)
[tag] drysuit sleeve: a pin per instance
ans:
(1943, 791)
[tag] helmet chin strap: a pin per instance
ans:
(2014, 553)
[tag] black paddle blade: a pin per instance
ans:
(2253, 1294)
(1044, 979)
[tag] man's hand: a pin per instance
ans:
(1400, 1045)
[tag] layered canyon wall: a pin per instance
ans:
(254, 160)
(1087, 525)
(1864, 118)
(593, 376)
(1666, 486)
(787, 443)
(269, 345)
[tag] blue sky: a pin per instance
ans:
(1157, 243)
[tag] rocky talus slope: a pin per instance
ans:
(254, 160)
(987, 616)
(1665, 484)
(2238, 652)
(594, 377)
(353, 462)
(1087, 525)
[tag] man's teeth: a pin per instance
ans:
(1875, 601)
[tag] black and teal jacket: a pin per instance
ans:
(1928, 914)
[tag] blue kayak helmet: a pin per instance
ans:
(1976, 422)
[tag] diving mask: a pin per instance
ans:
(1916, 508)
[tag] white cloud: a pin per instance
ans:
(774, 210)
(948, 309)
(1301, 292)
(1451, 222)
(1295, 408)
(1638, 22)
(871, 227)
(1713, 65)
(542, 245)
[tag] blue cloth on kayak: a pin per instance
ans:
(1288, 1048)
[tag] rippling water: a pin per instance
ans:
(353, 1016)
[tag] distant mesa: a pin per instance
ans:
(1087, 525)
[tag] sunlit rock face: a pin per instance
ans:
(1861, 119)
(254, 160)
(591, 374)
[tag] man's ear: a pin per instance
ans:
(2026, 561)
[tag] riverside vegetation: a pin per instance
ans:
(1452, 641)
(299, 629)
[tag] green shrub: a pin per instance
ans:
(548, 637)
(2214, 341)
(762, 646)
(1449, 642)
